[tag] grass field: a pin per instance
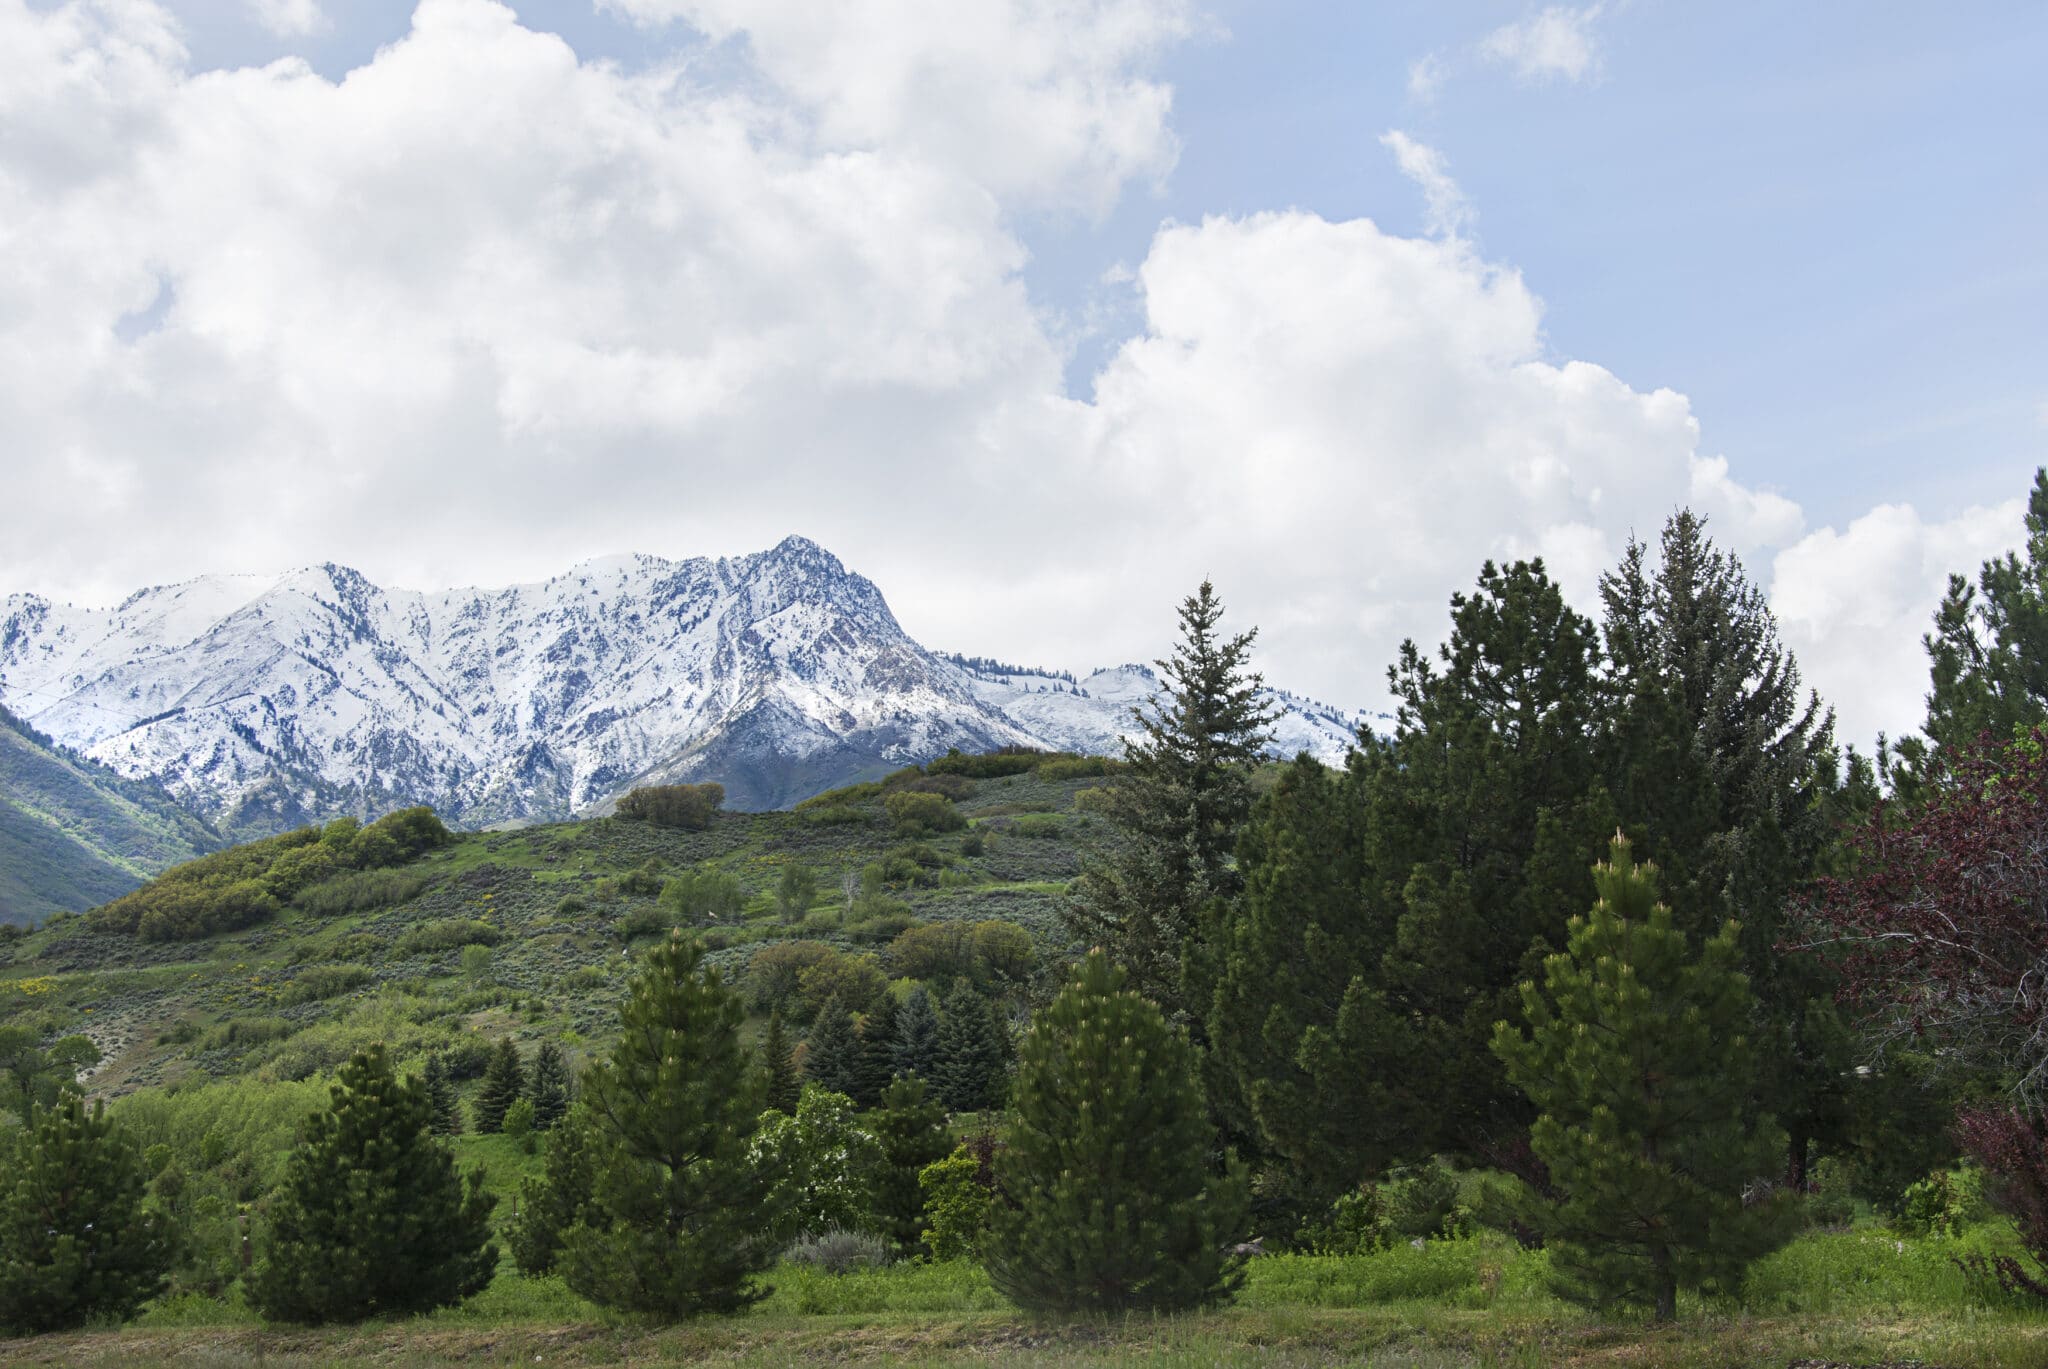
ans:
(1861, 1296)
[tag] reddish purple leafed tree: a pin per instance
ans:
(1944, 935)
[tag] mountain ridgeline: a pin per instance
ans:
(265, 703)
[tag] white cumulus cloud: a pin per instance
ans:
(290, 18)
(1450, 213)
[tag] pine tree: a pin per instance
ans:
(832, 1052)
(444, 1109)
(549, 1088)
(877, 1065)
(76, 1243)
(1730, 774)
(917, 1035)
(679, 1219)
(779, 1060)
(1177, 809)
(912, 1130)
(1113, 1205)
(372, 1218)
(1639, 1058)
(974, 1054)
(504, 1084)
(558, 1198)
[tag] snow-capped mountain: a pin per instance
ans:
(263, 702)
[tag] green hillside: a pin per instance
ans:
(74, 834)
(533, 933)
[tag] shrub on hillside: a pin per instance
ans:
(1075, 768)
(451, 934)
(915, 814)
(687, 806)
(704, 893)
(989, 765)
(775, 972)
(359, 891)
(317, 983)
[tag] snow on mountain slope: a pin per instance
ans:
(262, 702)
(1092, 713)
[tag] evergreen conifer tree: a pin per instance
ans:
(372, 1218)
(558, 1198)
(444, 1108)
(912, 1130)
(779, 1058)
(504, 1083)
(75, 1240)
(549, 1088)
(877, 1064)
(1113, 1205)
(974, 1053)
(1639, 1057)
(1177, 808)
(679, 1218)
(832, 1051)
(917, 1035)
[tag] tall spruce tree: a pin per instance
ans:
(832, 1051)
(677, 1224)
(1638, 1056)
(911, 1127)
(1988, 654)
(504, 1084)
(444, 1109)
(917, 1035)
(877, 1065)
(974, 1053)
(1729, 773)
(372, 1218)
(1113, 1204)
(548, 1089)
(1177, 809)
(778, 1060)
(76, 1242)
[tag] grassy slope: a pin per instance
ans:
(162, 1011)
(74, 834)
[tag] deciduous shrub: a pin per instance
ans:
(447, 935)
(915, 814)
(839, 1252)
(359, 891)
(704, 893)
(822, 1165)
(776, 970)
(687, 806)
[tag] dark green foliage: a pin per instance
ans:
(1989, 647)
(549, 1087)
(444, 1109)
(877, 1063)
(778, 1059)
(558, 1198)
(832, 1054)
(990, 765)
(643, 881)
(450, 934)
(1731, 775)
(1639, 1058)
(504, 1083)
(372, 1218)
(677, 1221)
(76, 1243)
(917, 1036)
(1177, 808)
(918, 814)
(1113, 1204)
(972, 1068)
(688, 806)
(912, 1130)
(35, 1074)
(795, 891)
(775, 973)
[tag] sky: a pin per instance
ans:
(1036, 312)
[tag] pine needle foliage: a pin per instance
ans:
(678, 1220)
(832, 1052)
(1177, 807)
(444, 1109)
(972, 1068)
(557, 1198)
(504, 1084)
(917, 1035)
(372, 1218)
(911, 1127)
(1112, 1206)
(548, 1089)
(1640, 1057)
(778, 1058)
(76, 1243)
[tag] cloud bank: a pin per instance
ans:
(480, 309)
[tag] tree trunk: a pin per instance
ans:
(1667, 1284)
(1795, 1162)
